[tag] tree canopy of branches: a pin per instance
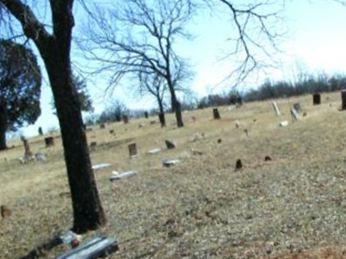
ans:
(53, 41)
(156, 86)
(140, 38)
(20, 88)
(113, 112)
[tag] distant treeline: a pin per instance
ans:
(307, 84)
(304, 84)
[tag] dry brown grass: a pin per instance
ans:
(293, 206)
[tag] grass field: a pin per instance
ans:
(293, 206)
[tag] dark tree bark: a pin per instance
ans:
(3, 125)
(55, 51)
(162, 117)
(176, 107)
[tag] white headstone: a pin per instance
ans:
(276, 109)
(295, 114)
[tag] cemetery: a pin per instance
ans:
(260, 181)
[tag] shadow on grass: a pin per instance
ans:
(43, 248)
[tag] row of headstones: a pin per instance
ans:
(133, 151)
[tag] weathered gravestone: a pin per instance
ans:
(146, 115)
(295, 114)
(170, 162)
(169, 144)
(216, 114)
(40, 131)
(27, 152)
(297, 107)
(316, 99)
(343, 100)
(93, 146)
(238, 165)
(276, 109)
(118, 176)
(49, 141)
(125, 119)
(133, 150)
(5, 211)
(97, 247)
(267, 158)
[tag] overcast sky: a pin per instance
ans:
(315, 40)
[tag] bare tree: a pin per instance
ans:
(54, 44)
(140, 38)
(256, 28)
(156, 86)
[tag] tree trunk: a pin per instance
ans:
(3, 125)
(162, 112)
(88, 213)
(176, 107)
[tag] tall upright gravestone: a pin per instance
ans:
(133, 152)
(316, 99)
(125, 119)
(276, 109)
(216, 114)
(27, 151)
(343, 99)
(40, 131)
(49, 141)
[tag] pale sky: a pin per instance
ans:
(315, 40)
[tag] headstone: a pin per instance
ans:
(5, 211)
(316, 99)
(102, 126)
(343, 99)
(100, 246)
(40, 131)
(154, 151)
(238, 165)
(162, 119)
(170, 162)
(27, 151)
(118, 176)
(216, 114)
(125, 119)
(49, 141)
(40, 157)
(93, 145)
(146, 115)
(276, 109)
(295, 114)
(133, 150)
(246, 132)
(100, 166)
(297, 107)
(267, 158)
(237, 124)
(169, 144)
(283, 124)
